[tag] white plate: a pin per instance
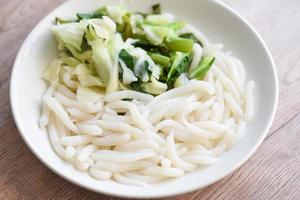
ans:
(218, 22)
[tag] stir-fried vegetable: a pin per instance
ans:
(203, 68)
(114, 49)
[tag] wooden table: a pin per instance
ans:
(272, 173)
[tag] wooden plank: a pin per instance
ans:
(272, 173)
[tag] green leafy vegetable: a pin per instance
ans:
(70, 61)
(202, 69)
(85, 77)
(141, 71)
(180, 44)
(115, 49)
(160, 59)
(154, 87)
(127, 58)
(147, 46)
(69, 34)
(156, 9)
(192, 37)
(97, 14)
(63, 21)
(125, 27)
(52, 72)
(127, 65)
(104, 65)
(180, 64)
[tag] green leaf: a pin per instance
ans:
(69, 34)
(59, 20)
(176, 26)
(70, 61)
(81, 16)
(137, 86)
(179, 65)
(142, 71)
(147, 46)
(86, 78)
(156, 9)
(52, 73)
(154, 87)
(192, 37)
(125, 27)
(203, 67)
(97, 14)
(156, 34)
(160, 59)
(179, 44)
(127, 59)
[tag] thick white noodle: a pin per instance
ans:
(136, 115)
(89, 129)
(78, 114)
(57, 108)
(127, 94)
(77, 104)
(197, 53)
(162, 171)
(121, 157)
(144, 178)
(172, 154)
(111, 140)
(85, 152)
(76, 140)
(99, 174)
(226, 83)
(118, 118)
(118, 126)
(65, 91)
(128, 181)
(122, 167)
(58, 148)
(137, 145)
(185, 89)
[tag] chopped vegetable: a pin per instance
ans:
(192, 37)
(156, 9)
(127, 59)
(160, 59)
(180, 44)
(86, 78)
(202, 69)
(179, 65)
(63, 21)
(154, 87)
(69, 34)
(114, 49)
(97, 14)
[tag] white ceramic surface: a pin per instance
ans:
(215, 20)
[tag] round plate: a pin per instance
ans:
(217, 21)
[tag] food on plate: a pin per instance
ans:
(141, 97)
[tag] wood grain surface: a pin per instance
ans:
(272, 173)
